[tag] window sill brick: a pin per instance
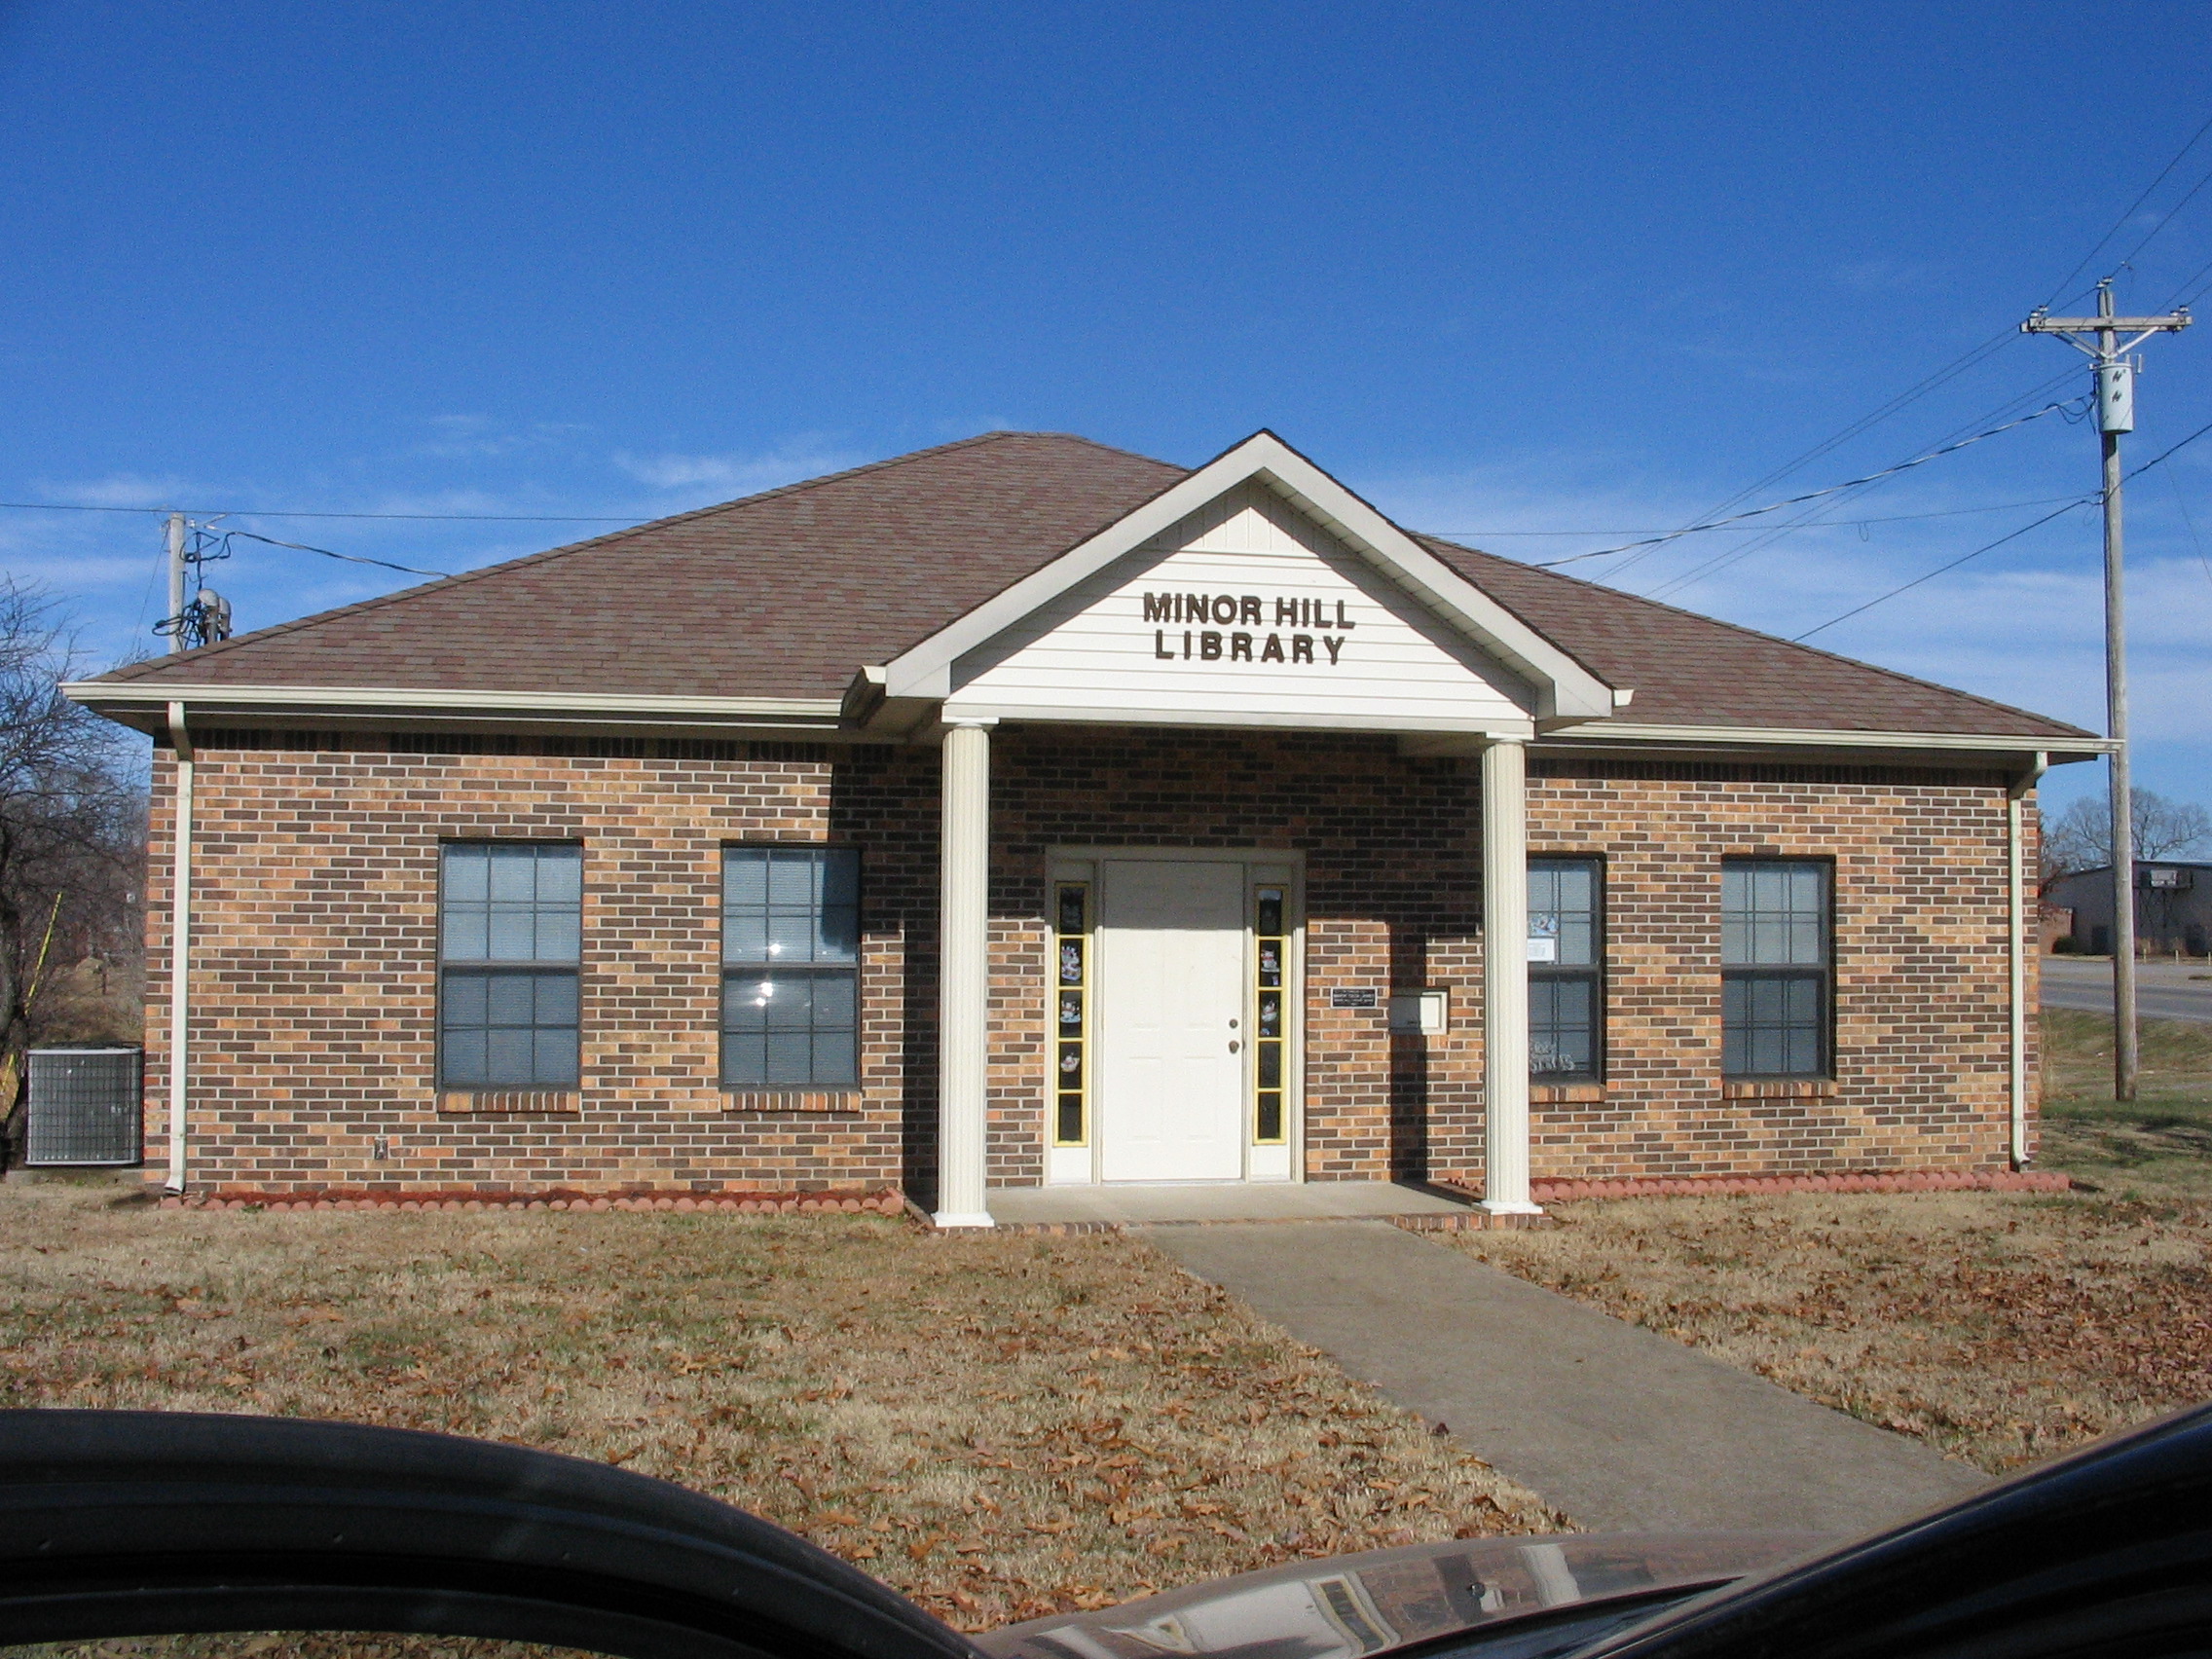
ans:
(464, 1102)
(1777, 1088)
(1565, 1093)
(793, 1100)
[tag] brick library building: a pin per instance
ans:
(1025, 812)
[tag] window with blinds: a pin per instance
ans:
(1775, 967)
(791, 967)
(1567, 970)
(510, 943)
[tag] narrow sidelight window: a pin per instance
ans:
(1774, 968)
(1071, 1013)
(1271, 1032)
(791, 967)
(1567, 957)
(511, 933)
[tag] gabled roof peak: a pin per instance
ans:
(1563, 688)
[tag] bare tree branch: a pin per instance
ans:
(72, 848)
(2080, 838)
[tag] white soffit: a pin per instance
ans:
(156, 693)
(1564, 689)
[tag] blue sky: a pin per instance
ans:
(1539, 274)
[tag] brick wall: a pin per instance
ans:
(1921, 1060)
(315, 938)
(315, 942)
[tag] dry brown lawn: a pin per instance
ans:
(1997, 1327)
(999, 1427)
(2000, 1328)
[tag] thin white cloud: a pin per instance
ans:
(476, 437)
(120, 490)
(1884, 275)
(734, 474)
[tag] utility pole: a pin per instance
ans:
(2116, 413)
(197, 616)
(176, 582)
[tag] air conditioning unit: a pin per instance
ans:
(86, 1107)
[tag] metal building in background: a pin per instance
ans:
(86, 1107)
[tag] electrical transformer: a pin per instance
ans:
(2116, 397)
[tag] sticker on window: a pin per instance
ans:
(1543, 937)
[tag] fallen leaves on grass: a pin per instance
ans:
(1997, 1327)
(999, 1427)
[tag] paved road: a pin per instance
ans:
(1621, 1428)
(2163, 990)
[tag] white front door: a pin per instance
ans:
(1170, 1074)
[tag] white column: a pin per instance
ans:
(964, 977)
(1505, 978)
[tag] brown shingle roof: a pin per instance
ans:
(785, 593)
(1692, 670)
(789, 593)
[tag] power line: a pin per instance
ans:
(1886, 518)
(2117, 224)
(1951, 371)
(2188, 293)
(2138, 471)
(1906, 587)
(1814, 494)
(2077, 501)
(350, 558)
(2163, 219)
(2187, 518)
(291, 512)
(1866, 423)
(1767, 539)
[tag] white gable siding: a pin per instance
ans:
(1093, 654)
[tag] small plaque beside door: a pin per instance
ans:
(1354, 996)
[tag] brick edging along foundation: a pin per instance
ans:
(1738, 1186)
(896, 1204)
(759, 1203)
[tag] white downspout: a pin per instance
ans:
(2016, 879)
(180, 941)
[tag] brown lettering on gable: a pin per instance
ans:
(1246, 614)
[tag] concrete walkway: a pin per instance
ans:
(1621, 1428)
(1217, 1200)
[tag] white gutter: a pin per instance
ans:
(1770, 737)
(153, 693)
(181, 941)
(2015, 882)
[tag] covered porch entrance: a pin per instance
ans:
(1257, 593)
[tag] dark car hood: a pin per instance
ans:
(1349, 1606)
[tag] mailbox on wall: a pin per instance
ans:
(1422, 1014)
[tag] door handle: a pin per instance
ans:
(1232, 1045)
